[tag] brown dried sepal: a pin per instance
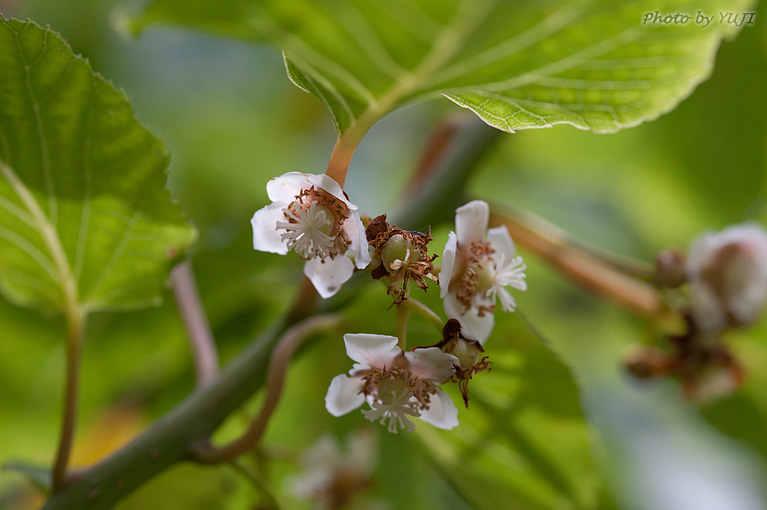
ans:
(416, 266)
(468, 353)
(705, 366)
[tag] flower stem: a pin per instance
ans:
(581, 266)
(76, 321)
(341, 157)
(403, 314)
(200, 336)
(425, 312)
(278, 366)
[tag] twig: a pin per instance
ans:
(581, 267)
(200, 336)
(278, 366)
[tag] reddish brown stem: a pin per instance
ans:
(341, 157)
(580, 266)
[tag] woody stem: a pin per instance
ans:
(278, 366)
(581, 266)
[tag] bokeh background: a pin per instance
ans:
(232, 120)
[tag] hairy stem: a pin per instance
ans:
(278, 367)
(200, 336)
(76, 321)
(580, 266)
(425, 312)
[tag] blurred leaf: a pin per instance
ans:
(85, 216)
(523, 443)
(591, 64)
(38, 475)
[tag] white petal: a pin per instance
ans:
(371, 350)
(286, 187)
(327, 276)
(344, 395)
(448, 262)
(706, 308)
(473, 326)
(431, 364)
(500, 239)
(441, 413)
(476, 327)
(358, 241)
(266, 237)
(471, 222)
(331, 186)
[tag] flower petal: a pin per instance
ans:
(448, 262)
(331, 186)
(327, 276)
(473, 326)
(287, 187)
(358, 243)
(266, 237)
(441, 413)
(344, 395)
(371, 350)
(431, 364)
(471, 222)
(706, 308)
(500, 239)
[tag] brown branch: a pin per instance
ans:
(278, 367)
(580, 266)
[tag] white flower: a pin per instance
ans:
(397, 385)
(727, 272)
(333, 478)
(476, 271)
(311, 215)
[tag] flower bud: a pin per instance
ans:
(670, 268)
(727, 272)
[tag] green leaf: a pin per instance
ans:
(592, 64)
(523, 443)
(86, 221)
(38, 475)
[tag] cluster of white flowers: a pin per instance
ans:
(311, 215)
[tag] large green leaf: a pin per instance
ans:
(86, 220)
(593, 64)
(523, 443)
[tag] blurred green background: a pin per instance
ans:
(232, 121)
